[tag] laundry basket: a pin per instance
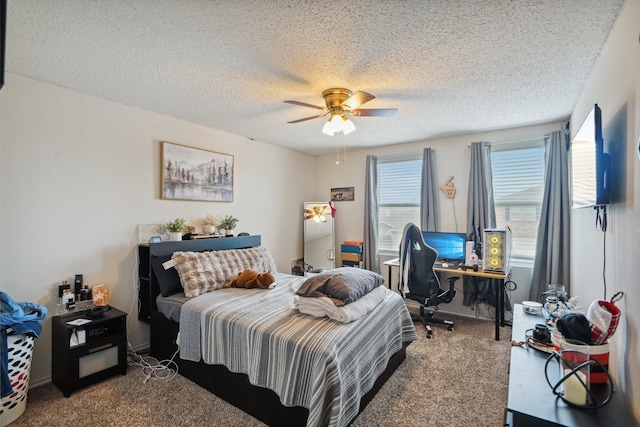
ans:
(20, 348)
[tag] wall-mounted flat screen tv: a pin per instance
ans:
(589, 164)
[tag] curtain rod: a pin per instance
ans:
(524, 139)
(517, 140)
(398, 157)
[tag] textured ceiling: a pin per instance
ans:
(449, 67)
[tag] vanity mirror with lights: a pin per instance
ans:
(319, 242)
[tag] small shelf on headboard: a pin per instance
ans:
(148, 289)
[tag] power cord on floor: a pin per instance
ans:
(152, 368)
(482, 298)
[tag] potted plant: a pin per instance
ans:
(175, 228)
(228, 225)
(209, 224)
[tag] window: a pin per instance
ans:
(398, 200)
(518, 181)
(521, 213)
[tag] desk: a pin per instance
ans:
(498, 279)
(531, 403)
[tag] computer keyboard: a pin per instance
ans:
(447, 265)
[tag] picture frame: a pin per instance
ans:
(342, 194)
(147, 231)
(190, 173)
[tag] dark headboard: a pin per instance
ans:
(149, 289)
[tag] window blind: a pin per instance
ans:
(398, 200)
(518, 184)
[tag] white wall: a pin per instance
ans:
(615, 86)
(451, 159)
(78, 174)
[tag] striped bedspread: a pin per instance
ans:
(317, 363)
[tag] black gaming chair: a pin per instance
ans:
(418, 281)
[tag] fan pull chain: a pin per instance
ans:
(344, 150)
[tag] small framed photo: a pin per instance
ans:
(155, 239)
(342, 194)
(147, 231)
(194, 174)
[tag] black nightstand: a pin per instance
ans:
(98, 349)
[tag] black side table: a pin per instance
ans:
(531, 403)
(90, 352)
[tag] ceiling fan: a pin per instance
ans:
(340, 101)
(317, 213)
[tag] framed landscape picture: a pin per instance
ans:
(342, 194)
(194, 174)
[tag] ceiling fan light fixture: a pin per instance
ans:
(347, 126)
(317, 214)
(338, 123)
(329, 128)
(338, 102)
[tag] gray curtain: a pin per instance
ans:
(428, 193)
(551, 262)
(370, 241)
(480, 210)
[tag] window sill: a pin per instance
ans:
(388, 253)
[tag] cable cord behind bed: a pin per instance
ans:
(135, 300)
(152, 368)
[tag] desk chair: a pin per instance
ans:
(418, 281)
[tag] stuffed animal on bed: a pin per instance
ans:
(252, 279)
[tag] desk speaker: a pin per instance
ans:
(497, 250)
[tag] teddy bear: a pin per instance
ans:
(252, 279)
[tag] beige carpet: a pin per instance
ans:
(456, 379)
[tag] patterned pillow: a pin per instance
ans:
(202, 272)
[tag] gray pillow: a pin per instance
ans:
(342, 285)
(168, 279)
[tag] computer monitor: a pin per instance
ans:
(450, 246)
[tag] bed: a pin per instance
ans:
(259, 353)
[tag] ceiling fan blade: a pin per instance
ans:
(357, 99)
(375, 112)
(304, 104)
(308, 118)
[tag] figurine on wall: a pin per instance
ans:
(448, 188)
